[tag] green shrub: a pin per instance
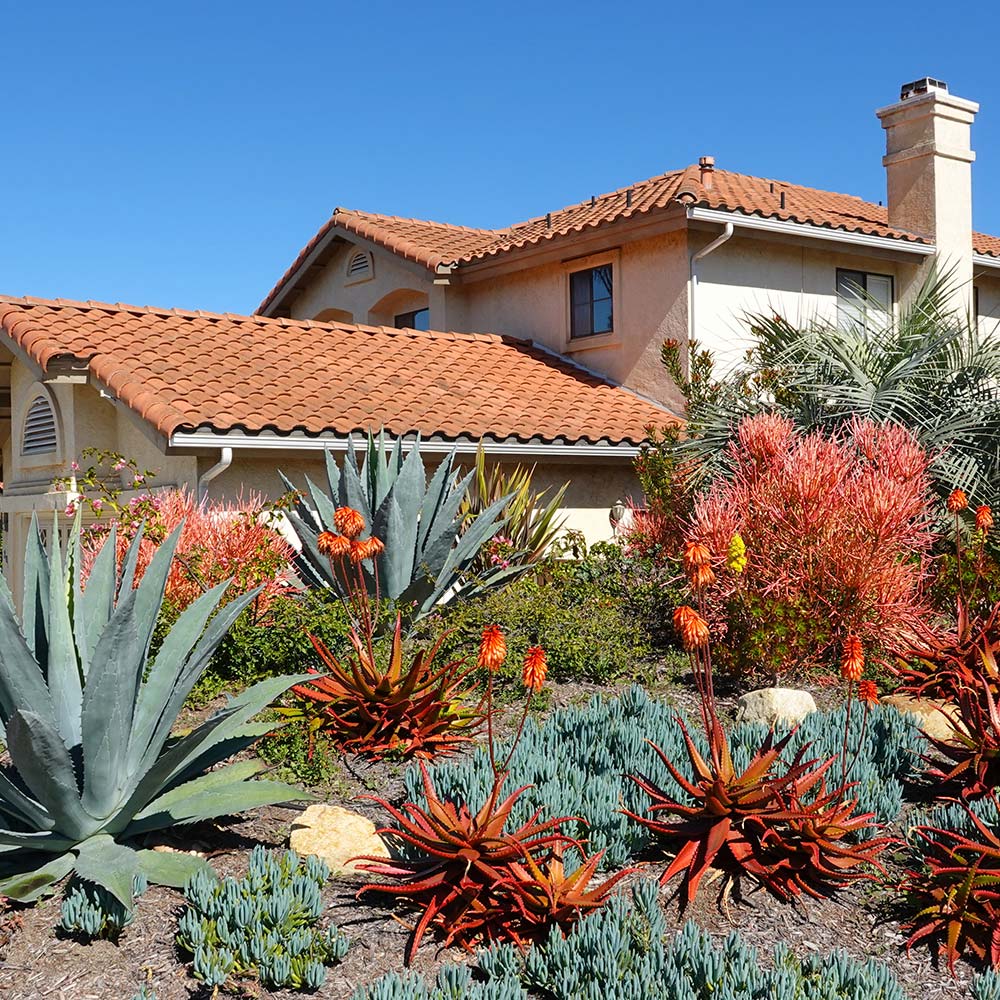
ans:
(578, 759)
(594, 617)
(263, 924)
(288, 749)
(624, 952)
(258, 647)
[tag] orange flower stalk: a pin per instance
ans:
(691, 627)
(333, 546)
(348, 522)
(695, 557)
(371, 547)
(853, 663)
(702, 576)
(868, 692)
(984, 517)
(535, 668)
(492, 648)
(957, 501)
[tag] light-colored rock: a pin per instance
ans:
(335, 834)
(787, 706)
(937, 719)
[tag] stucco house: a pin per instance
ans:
(550, 330)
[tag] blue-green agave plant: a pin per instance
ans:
(428, 557)
(87, 716)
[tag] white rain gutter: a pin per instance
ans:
(984, 260)
(301, 442)
(780, 226)
(225, 460)
(724, 236)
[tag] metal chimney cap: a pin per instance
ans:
(924, 85)
(706, 162)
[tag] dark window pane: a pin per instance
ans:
(419, 319)
(602, 316)
(602, 282)
(580, 322)
(579, 287)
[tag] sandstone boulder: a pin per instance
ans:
(781, 706)
(937, 719)
(335, 834)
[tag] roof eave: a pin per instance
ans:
(208, 437)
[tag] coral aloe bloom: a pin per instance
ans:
(696, 555)
(957, 500)
(868, 692)
(535, 668)
(492, 649)
(984, 517)
(702, 576)
(853, 663)
(371, 547)
(691, 627)
(348, 522)
(333, 546)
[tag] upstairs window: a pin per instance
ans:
(417, 319)
(39, 428)
(590, 302)
(862, 298)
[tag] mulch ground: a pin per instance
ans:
(37, 962)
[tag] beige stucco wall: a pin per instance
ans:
(756, 276)
(594, 488)
(395, 287)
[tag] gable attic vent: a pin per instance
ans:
(360, 265)
(39, 428)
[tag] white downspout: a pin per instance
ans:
(225, 460)
(725, 235)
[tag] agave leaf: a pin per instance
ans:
(224, 725)
(352, 487)
(22, 683)
(130, 562)
(108, 709)
(190, 804)
(16, 803)
(35, 594)
(26, 887)
(396, 562)
(63, 670)
(438, 491)
(325, 507)
(172, 868)
(149, 596)
(108, 864)
(94, 604)
(332, 475)
(44, 764)
(194, 665)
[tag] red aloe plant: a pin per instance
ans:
(376, 705)
(372, 702)
(957, 894)
(838, 528)
(462, 861)
(473, 877)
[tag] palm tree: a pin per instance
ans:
(928, 369)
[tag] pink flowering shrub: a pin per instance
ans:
(837, 534)
(219, 541)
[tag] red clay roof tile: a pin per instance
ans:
(285, 375)
(436, 243)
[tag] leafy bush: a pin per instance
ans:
(268, 644)
(836, 530)
(625, 952)
(593, 617)
(429, 553)
(88, 719)
(299, 755)
(263, 925)
(89, 912)
(575, 764)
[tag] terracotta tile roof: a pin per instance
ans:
(435, 243)
(185, 370)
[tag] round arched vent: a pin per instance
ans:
(359, 266)
(39, 428)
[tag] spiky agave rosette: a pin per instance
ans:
(88, 717)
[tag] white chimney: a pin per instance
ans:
(928, 164)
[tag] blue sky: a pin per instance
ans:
(181, 154)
